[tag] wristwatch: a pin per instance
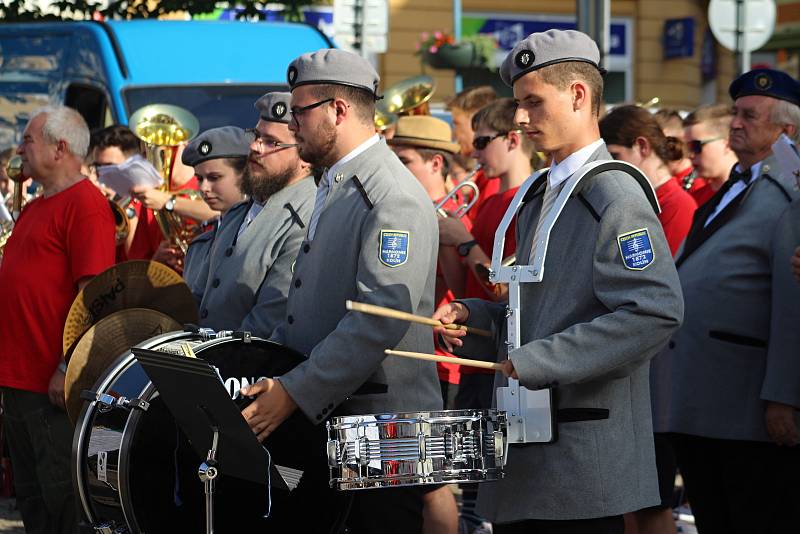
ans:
(169, 205)
(464, 248)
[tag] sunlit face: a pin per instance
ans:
(544, 112)
(38, 156)
(709, 158)
(462, 130)
(427, 172)
(219, 183)
(312, 123)
(267, 158)
(752, 130)
(495, 157)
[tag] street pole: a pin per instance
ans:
(594, 19)
(458, 82)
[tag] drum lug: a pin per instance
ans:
(106, 403)
(499, 447)
(423, 454)
(362, 459)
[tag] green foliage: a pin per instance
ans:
(18, 11)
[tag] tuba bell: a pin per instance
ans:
(162, 128)
(408, 97)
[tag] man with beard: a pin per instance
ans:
(372, 238)
(250, 261)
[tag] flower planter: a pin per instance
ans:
(459, 56)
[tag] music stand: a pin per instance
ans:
(196, 397)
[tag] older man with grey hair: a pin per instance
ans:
(728, 385)
(60, 241)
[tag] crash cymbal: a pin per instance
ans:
(131, 284)
(105, 342)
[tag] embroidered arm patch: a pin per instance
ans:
(636, 249)
(393, 250)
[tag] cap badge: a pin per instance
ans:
(204, 148)
(524, 59)
(279, 110)
(763, 82)
(292, 75)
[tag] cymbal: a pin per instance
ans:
(131, 284)
(103, 343)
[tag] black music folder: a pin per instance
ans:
(196, 397)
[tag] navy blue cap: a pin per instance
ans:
(766, 82)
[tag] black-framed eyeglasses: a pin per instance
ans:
(296, 113)
(266, 142)
(479, 143)
(696, 146)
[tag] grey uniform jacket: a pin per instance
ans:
(357, 253)
(248, 276)
(740, 341)
(589, 328)
(195, 265)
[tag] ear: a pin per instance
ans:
(62, 148)
(514, 140)
(437, 163)
(790, 130)
(643, 146)
(580, 95)
(342, 109)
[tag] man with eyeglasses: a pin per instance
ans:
(372, 238)
(706, 132)
(728, 385)
(250, 261)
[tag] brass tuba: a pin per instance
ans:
(408, 97)
(162, 128)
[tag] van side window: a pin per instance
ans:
(90, 102)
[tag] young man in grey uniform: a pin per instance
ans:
(727, 387)
(250, 262)
(591, 325)
(373, 238)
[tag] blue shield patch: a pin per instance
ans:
(393, 248)
(636, 249)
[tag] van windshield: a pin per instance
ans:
(213, 105)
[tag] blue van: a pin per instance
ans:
(107, 70)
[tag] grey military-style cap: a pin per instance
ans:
(224, 142)
(333, 66)
(548, 48)
(274, 107)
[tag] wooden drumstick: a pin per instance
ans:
(410, 317)
(445, 359)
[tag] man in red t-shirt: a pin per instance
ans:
(706, 132)
(60, 241)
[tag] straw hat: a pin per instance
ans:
(424, 131)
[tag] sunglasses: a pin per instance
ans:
(696, 146)
(479, 143)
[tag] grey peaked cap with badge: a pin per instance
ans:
(548, 48)
(274, 107)
(224, 142)
(333, 66)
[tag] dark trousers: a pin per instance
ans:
(602, 525)
(40, 443)
(738, 487)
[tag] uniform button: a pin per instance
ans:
(215, 283)
(324, 411)
(319, 417)
(671, 344)
(229, 251)
(298, 283)
(204, 314)
(290, 319)
(306, 248)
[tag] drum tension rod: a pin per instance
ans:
(106, 402)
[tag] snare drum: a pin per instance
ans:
(134, 471)
(404, 449)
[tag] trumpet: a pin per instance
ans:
(162, 128)
(464, 207)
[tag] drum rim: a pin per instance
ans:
(86, 417)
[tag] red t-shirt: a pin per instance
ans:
(56, 242)
(677, 210)
(680, 179)
(148, 236)
(448, 372)
(484, 227)
(486, 188)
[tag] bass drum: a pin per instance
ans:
(134, 470)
